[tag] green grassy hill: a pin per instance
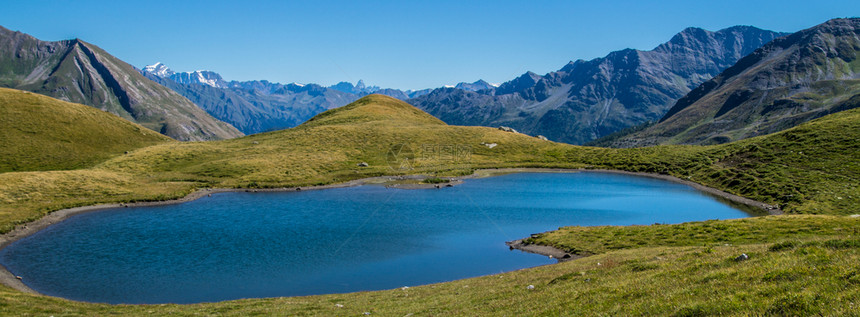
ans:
(328, 148)
(42, 133)
(799, 264)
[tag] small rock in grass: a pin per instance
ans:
(530, 287)
(742, 257)
(363, 164)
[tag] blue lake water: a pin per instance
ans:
(245, 245)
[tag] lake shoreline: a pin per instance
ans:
(545, 250)
(395, 182)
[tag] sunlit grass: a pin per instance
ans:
(42, 133)
(685, 269)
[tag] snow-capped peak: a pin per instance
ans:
(158, 69)
(206, 77)
(203, 77)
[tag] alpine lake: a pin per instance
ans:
(267, 244)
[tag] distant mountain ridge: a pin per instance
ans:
(476, 86)
(789, 81)
(77, 71)
(255, 106)
(585, 100)
(260, 106)
(203, 77)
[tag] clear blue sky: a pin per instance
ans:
(397, 44)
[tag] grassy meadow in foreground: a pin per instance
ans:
(799, 264)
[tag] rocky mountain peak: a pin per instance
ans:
(690, 33)
(475, 86)
(529, 79)
(788, 81)
(571, 65)
(360, 88)
(824, 36)
(158, 69)
(202, 77)
(585, 100)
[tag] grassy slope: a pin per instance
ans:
(42, 133)
(677, 269)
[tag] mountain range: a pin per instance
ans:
(260, 106)
(586, 100)
(251, 106)
(765, 82)
(80, 72)
(789, 81)
(582, 101)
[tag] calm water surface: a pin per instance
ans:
(243, 245)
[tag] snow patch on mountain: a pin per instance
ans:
(158, 69)
(202, 77)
